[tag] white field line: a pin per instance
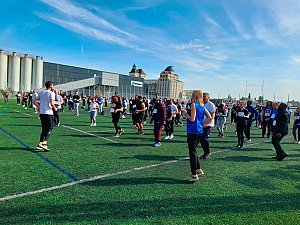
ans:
(81, 131)
(84, 132)
(96, 178)
(23, 113)
(100, 131)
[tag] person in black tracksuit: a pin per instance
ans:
(116, 109)
(280, 129)
(296, 125)
(241, 123)
(158, 117)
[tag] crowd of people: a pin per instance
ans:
(200, 114)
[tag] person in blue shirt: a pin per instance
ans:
(253, 114)
(195, 124)
(100, 102)
(274, 114)
(266, 120)
(241, 123)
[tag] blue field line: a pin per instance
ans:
(72, 177)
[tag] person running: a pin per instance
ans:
(100, 103)
(145, 101)
(57, 102)
(124, 106)
(140, 111)
(195, 124)
(233, 114)
(158, 118)
(94, 106)
(76, 100)
(178, 114)
(253, 115)
(221, 114)
(274, 114)
(296, 125)
(207, 129)
(116, 109)
(45, 102)
(266, 120)
(18, 96)
(134, 115)
(34, 96)
(5, 95)
(25, 99)
(280, 129)
(30, 99)
(174, 112)
(241, 123)
(169, 117)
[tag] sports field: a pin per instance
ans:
(91, 177)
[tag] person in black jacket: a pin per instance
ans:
(159, 117)
(280, 129)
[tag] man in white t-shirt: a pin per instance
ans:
(34, 96)
(206, 130)
(45, 103)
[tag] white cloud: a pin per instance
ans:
(212, 21)
(296, 59)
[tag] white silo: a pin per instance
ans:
(14, 72)
(3, 70)
(26, 70)
(37, 79)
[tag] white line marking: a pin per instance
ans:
(23, 113)
(100, 131)
(96, 178)
(84, 132)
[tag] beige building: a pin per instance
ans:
(137, 72)
(169, 85)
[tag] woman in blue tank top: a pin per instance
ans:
(195, 123)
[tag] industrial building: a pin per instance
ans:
(23, 72)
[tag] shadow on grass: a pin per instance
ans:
(256, 182)
(104, 211)
(154, 157)
(244, 159)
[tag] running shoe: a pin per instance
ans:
(117, 135)
(157, 144)
(200, 172)
(193, 178)
(168, 137)
(172, 136)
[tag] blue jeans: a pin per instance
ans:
(204, 139)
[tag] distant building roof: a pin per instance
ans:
(169, 68)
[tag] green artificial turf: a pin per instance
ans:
(239, 186)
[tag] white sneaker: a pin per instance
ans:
(94, 124)
(172, 136)
(249, 141)
(193, 178)
(299, 142)
(168, 137)
(295, 142)
(91, 125)
(200, 172)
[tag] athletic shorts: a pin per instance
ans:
(93, 115)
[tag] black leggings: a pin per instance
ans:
(115, 121)
(47, 126)
(240, 128)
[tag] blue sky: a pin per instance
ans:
(217, 46)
